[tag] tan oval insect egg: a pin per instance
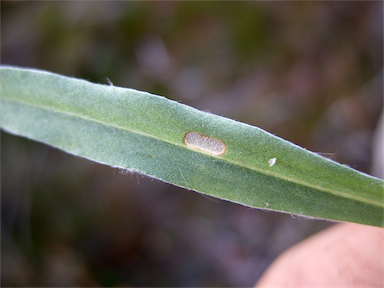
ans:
(204, 143)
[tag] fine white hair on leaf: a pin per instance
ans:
(109, 81)
(204, 143)
(272, 162)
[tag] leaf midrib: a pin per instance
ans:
(234, 162)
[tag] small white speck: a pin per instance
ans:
(267, 204)
(272, 162)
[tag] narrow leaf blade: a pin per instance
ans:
(176, 143)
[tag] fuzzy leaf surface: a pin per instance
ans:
(146, 133)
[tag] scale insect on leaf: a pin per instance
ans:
(204, 143)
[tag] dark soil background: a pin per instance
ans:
(309, 72)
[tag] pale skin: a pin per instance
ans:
(344, 255)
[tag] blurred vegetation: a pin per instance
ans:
(309, 72)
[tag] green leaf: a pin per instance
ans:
(152, 135)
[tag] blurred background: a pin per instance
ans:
(309, 72)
